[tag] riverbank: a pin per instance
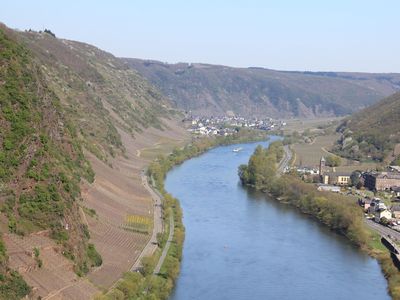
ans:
(333, 210)
(240, 245)
(145, 284)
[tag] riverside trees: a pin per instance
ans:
(261, 169)
(334, 210)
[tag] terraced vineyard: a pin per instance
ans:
(119, 248)
(55, 277)
(137, 223)
(123, 222)
(75, 117)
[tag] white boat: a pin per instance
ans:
(237, 149)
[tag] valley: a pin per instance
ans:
(85, 136)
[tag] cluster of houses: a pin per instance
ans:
(329, 180)
(201, 129)
(227, 125)
(382, 181)
(307, 170)
(389, 181)
(377, 208)
(372, 180)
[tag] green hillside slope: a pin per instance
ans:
(41, 160)
(373, 132)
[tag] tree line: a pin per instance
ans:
(143, 284)
(336, 211)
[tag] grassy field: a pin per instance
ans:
(300, 125)
(165, 145)
(311, 153)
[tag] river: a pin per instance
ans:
(241, 245)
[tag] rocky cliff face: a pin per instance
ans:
(213, 90)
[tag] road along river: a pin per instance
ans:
(241, 245)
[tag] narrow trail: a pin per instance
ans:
(167, 245)
(152, 244)
(57, 292)
(383, 230)
(285, 160)
(330, 153)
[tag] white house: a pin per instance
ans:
(328, 188)
(379, 214)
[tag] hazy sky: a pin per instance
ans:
(335, 35)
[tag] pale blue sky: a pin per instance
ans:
(352, 35)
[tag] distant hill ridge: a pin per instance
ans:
(213, 89)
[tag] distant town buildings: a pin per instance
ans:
(307, 170)
(396, 211)
(322, 165)
(227, 125)
(333, 177)
(336, 178)
(377, 208)
(328, 188)
(374, 181)
(329, 180)
(395, 190)
(381, 181)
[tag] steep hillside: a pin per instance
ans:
(74, 122)
(100, 92)
(372, 133)
(212, 89)
(41, 159)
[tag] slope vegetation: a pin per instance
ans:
(74, 120)
(41, 160)
(100, 93)
(372, 133)
(211, 89)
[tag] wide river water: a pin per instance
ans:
(241, 245)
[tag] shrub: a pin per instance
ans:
(48, 31)
(13, 286)
(333, 161)
(94, 256)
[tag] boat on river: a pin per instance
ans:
(237, 149)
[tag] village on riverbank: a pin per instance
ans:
(378, 192)
(374, 186)
(334, 196)
(228, 125)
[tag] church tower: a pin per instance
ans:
(322, 166)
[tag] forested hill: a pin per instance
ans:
(213, 90)
(374, 132)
